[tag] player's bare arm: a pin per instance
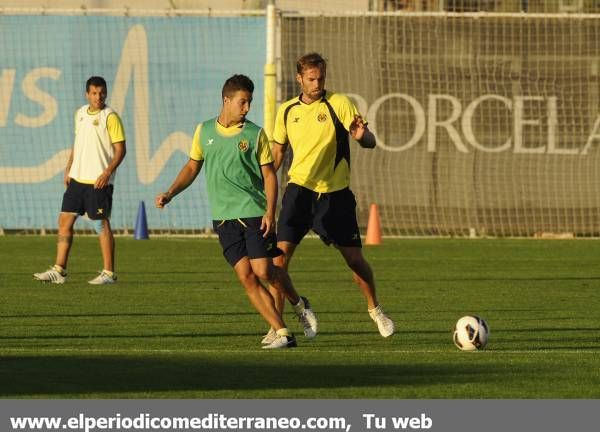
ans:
(186, 177)
(270, 180)
(103, 179)
(66, 178)
(361, 133)
(278, 150)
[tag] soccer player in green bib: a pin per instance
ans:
(242, 192)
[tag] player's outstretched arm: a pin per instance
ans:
(186, 177)
(361, 133)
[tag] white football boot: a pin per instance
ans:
(384, 323)
(282, 342)
(270, 337)
(104, 278)
(54, 275)
(307, 318)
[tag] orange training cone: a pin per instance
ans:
(373, 227)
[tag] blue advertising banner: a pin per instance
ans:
(164, 76)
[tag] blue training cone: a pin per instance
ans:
(141, 226)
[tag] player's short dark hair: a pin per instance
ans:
(309, 61)
(96, 81)
(236, 83)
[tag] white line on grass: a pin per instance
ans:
(38, 351)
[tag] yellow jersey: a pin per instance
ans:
(318, 135)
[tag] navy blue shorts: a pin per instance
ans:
(331, 215)
(82, 198)
(243, 237)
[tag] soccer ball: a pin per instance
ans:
(471, 333)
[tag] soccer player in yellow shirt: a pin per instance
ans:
(316, 125)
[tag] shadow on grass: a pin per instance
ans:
(24, 376)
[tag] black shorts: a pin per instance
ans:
(331, 215)
(82, 198)
(243, 237)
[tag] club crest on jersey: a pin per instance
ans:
(322, 117)
(243, 145)
(96, 122)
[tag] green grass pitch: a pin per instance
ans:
(178, 324)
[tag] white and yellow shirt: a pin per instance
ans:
(95, 134)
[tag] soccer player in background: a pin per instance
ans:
(242, 191)
(98, 150)
(316, 125)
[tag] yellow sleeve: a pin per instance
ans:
(196, 150)
(279, 130)
(346, 110)
(115, 128)
(264, 149)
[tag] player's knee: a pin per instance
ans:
(354, 260)
(264, 273)
(359, 266)
(248, 280)
(66, 221)
(280, 260)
